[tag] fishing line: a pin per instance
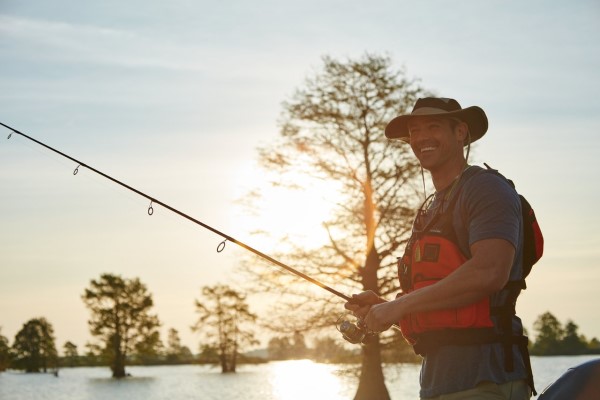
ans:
(153, 202)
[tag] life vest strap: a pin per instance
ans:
(505, 310)
(432, 340)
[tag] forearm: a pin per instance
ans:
(466, 285)
(485, 273)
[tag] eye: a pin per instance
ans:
(413, 129)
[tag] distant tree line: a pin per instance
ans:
(552, 338)
(127, 334)
(327, 349)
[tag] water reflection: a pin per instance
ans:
(130, 380)
(284, 380)
(304, 379)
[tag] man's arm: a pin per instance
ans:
(485, 273)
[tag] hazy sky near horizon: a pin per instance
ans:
(174, 97)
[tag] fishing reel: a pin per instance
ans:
(353, 332)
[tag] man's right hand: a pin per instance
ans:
(361, 303)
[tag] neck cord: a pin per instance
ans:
(449, 192)
(424, 190)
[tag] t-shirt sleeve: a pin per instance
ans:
(492, 209)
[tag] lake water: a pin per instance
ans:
(284, 380)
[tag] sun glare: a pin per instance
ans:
(297, 214)
(304, 379)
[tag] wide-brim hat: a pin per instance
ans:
(473, 116)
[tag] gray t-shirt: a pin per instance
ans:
(487, 208)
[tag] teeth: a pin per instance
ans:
(430, 148)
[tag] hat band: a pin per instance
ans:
(429, 111)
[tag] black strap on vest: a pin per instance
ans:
(432, 340)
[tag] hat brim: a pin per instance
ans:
(473, 116)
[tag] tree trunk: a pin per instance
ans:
(118, 367)
(234, 355)
(33, 363)
(118, 364)
(224, 367)
(371, 385)
(233, 361)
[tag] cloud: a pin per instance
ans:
(77, 43)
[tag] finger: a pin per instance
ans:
(357, 299)
(368, 320)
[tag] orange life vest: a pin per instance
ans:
(431, 255)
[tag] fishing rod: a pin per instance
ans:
(153, 200)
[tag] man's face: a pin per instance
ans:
(435, 141)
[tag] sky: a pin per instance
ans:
(174, 98)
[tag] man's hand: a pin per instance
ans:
(361, 303)
(362, 306)
(376, 313)
(382, 316)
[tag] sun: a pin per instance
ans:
(278, 212)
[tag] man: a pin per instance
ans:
(457, 305)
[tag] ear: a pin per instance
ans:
(461, 131)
